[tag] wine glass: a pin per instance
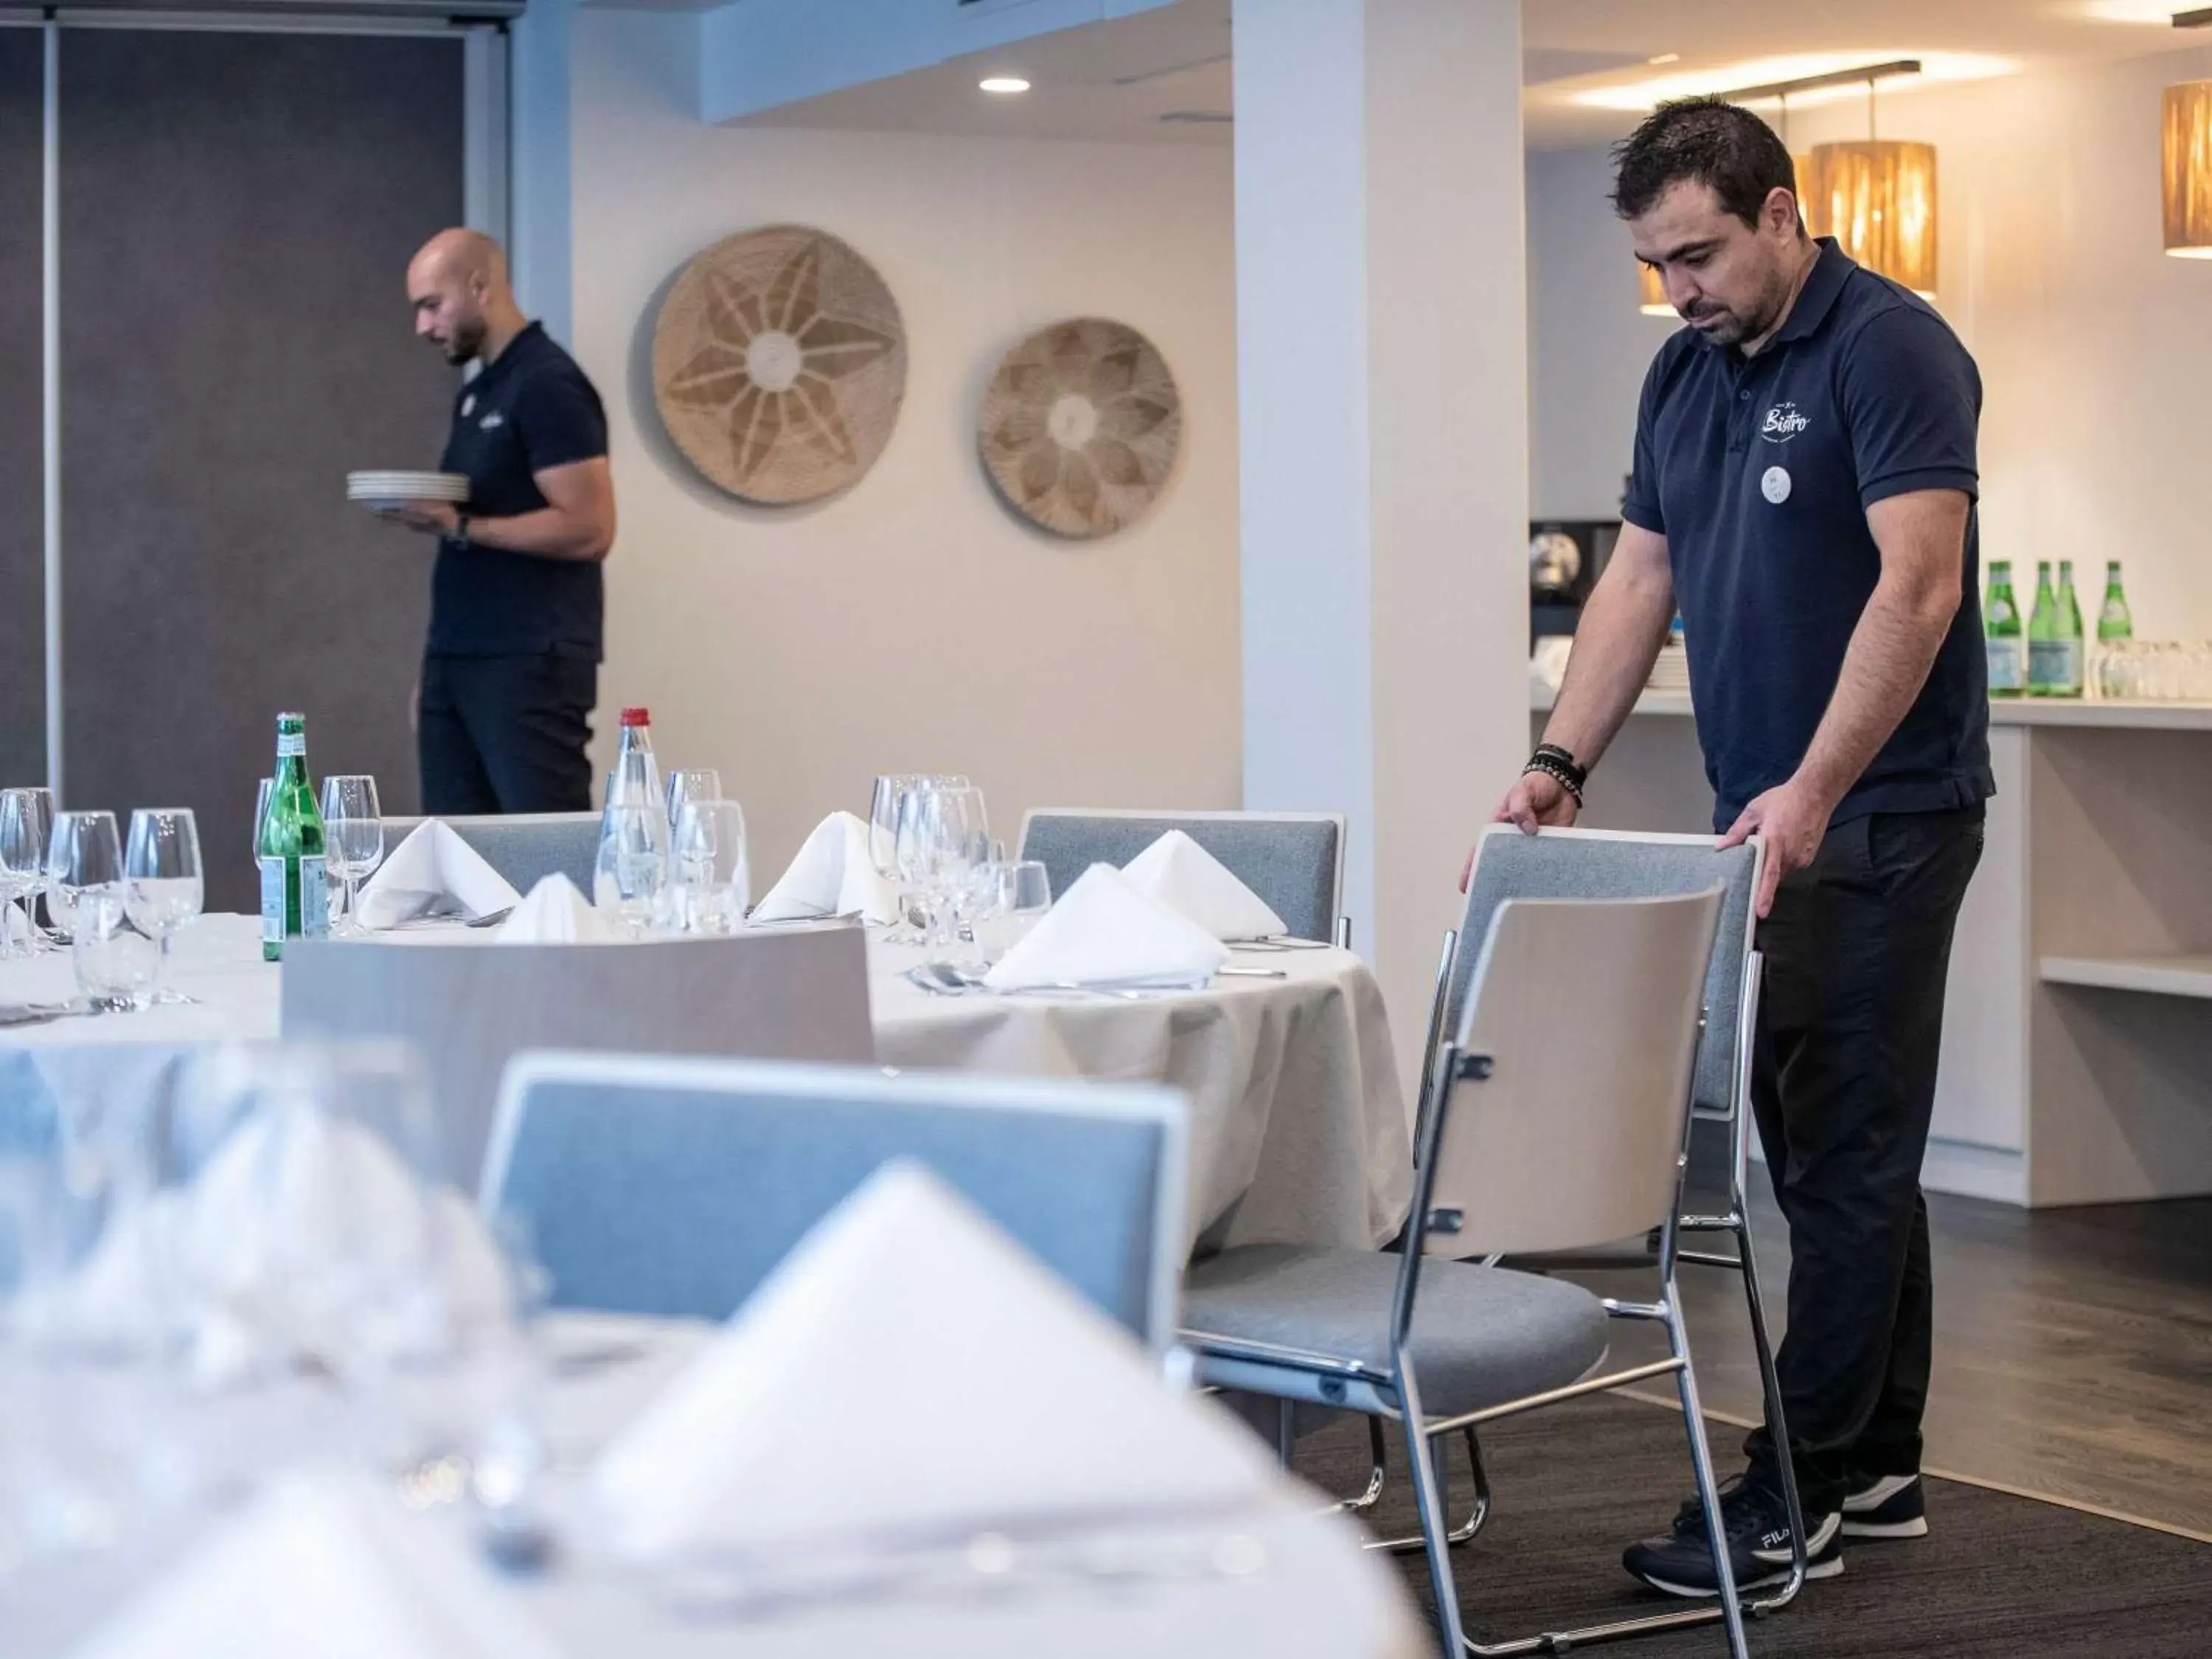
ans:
(84, 843)
(963, 845)
(710, 866)
(25, 826)
(633, 864)
(352, 837)
(163, 888)
(691, 783)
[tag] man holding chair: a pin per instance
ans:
(1803, 493)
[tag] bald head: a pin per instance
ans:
(458, 285)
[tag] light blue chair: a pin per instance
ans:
(525, 847)
(1293, 861)
(672, 1187)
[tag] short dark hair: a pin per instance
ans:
(1705, 141)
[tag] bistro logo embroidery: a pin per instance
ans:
(1783, 422)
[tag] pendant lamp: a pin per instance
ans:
(1876, 196)
(2188, 170)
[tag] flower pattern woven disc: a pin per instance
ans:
(779, 361)
(1079, 427)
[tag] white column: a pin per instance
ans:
(1383, 408)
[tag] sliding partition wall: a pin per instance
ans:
(235, 204)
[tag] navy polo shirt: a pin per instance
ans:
(532, 408)
(1759, 472)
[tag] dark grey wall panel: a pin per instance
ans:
(237, 215)
(22, 516)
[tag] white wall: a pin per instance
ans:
(912, 624)
(2095, 347)
(1588, 345)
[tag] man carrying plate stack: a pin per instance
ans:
(510, 673)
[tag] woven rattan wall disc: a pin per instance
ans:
(1079, 427)
(778, 364)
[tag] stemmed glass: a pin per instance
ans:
(883, 803)
(163, 886)
(1011, 899)
(633, 866)
(353, 838)
(25, 826)
(688, 784)
(964, 846)
(709, 867)
(115, 962)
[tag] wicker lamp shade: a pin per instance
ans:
(778, 363)
(2188, 170)
(1651, 291)
(1877, 199)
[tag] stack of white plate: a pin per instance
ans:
(385, 489)
(1671, 673)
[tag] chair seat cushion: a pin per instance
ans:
(1481, 1335)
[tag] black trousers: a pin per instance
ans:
(1858, 947)
(505, 734)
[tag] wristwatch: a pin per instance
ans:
(461, 528)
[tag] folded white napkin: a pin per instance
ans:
(320, 1565)
(433, 872)
(832, 876)
(289, 1198)
(554, 912)
(880, 1314)
(1104, 931)
(1176, 870)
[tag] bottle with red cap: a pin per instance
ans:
(635, 781)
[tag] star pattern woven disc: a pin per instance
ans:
(1079, 427)
(779, 361)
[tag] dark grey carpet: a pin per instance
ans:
(1998, 1577)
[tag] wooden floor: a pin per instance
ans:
(2073, 1350)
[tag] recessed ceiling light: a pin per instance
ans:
(1003, 83)
(1664, 58)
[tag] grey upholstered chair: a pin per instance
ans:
(1292, 860)
(525, 847)
(1518, 1153)
(672, 1187)
(1606, 864)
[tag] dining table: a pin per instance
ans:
(1299, 1131)
(1280, 1574)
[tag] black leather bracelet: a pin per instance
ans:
(1569, 776)
(1576, 772)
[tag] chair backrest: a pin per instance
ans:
(1584, 864)
(1293, 861)
(672, 1187)
(471, 1007)
(1588, 1011)
(525, 847)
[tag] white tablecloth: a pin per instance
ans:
(1319, 1593)
(1298, 1123)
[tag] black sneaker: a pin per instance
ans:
(1757, 1525)
(1892, 1506)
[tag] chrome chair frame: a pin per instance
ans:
(1396, 1395)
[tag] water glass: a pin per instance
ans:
(163, 885)
(1011, 899)
(83, 851)
(691, 783)
(712, 876)
(25, 828)
(353, 838)
(633, 866)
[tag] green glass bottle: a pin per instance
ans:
(2001, 633)
(296, 893)
(2114, 619)
(2054, 653)
(2070, 629)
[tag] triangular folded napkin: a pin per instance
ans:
(1176, 870)
(555, 912)
(434, 872)
(879, 1315)
(832, 876)
(1104, 931)
(323, 1565)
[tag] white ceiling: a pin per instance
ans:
(1118, 80)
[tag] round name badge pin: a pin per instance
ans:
(1775, 485)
